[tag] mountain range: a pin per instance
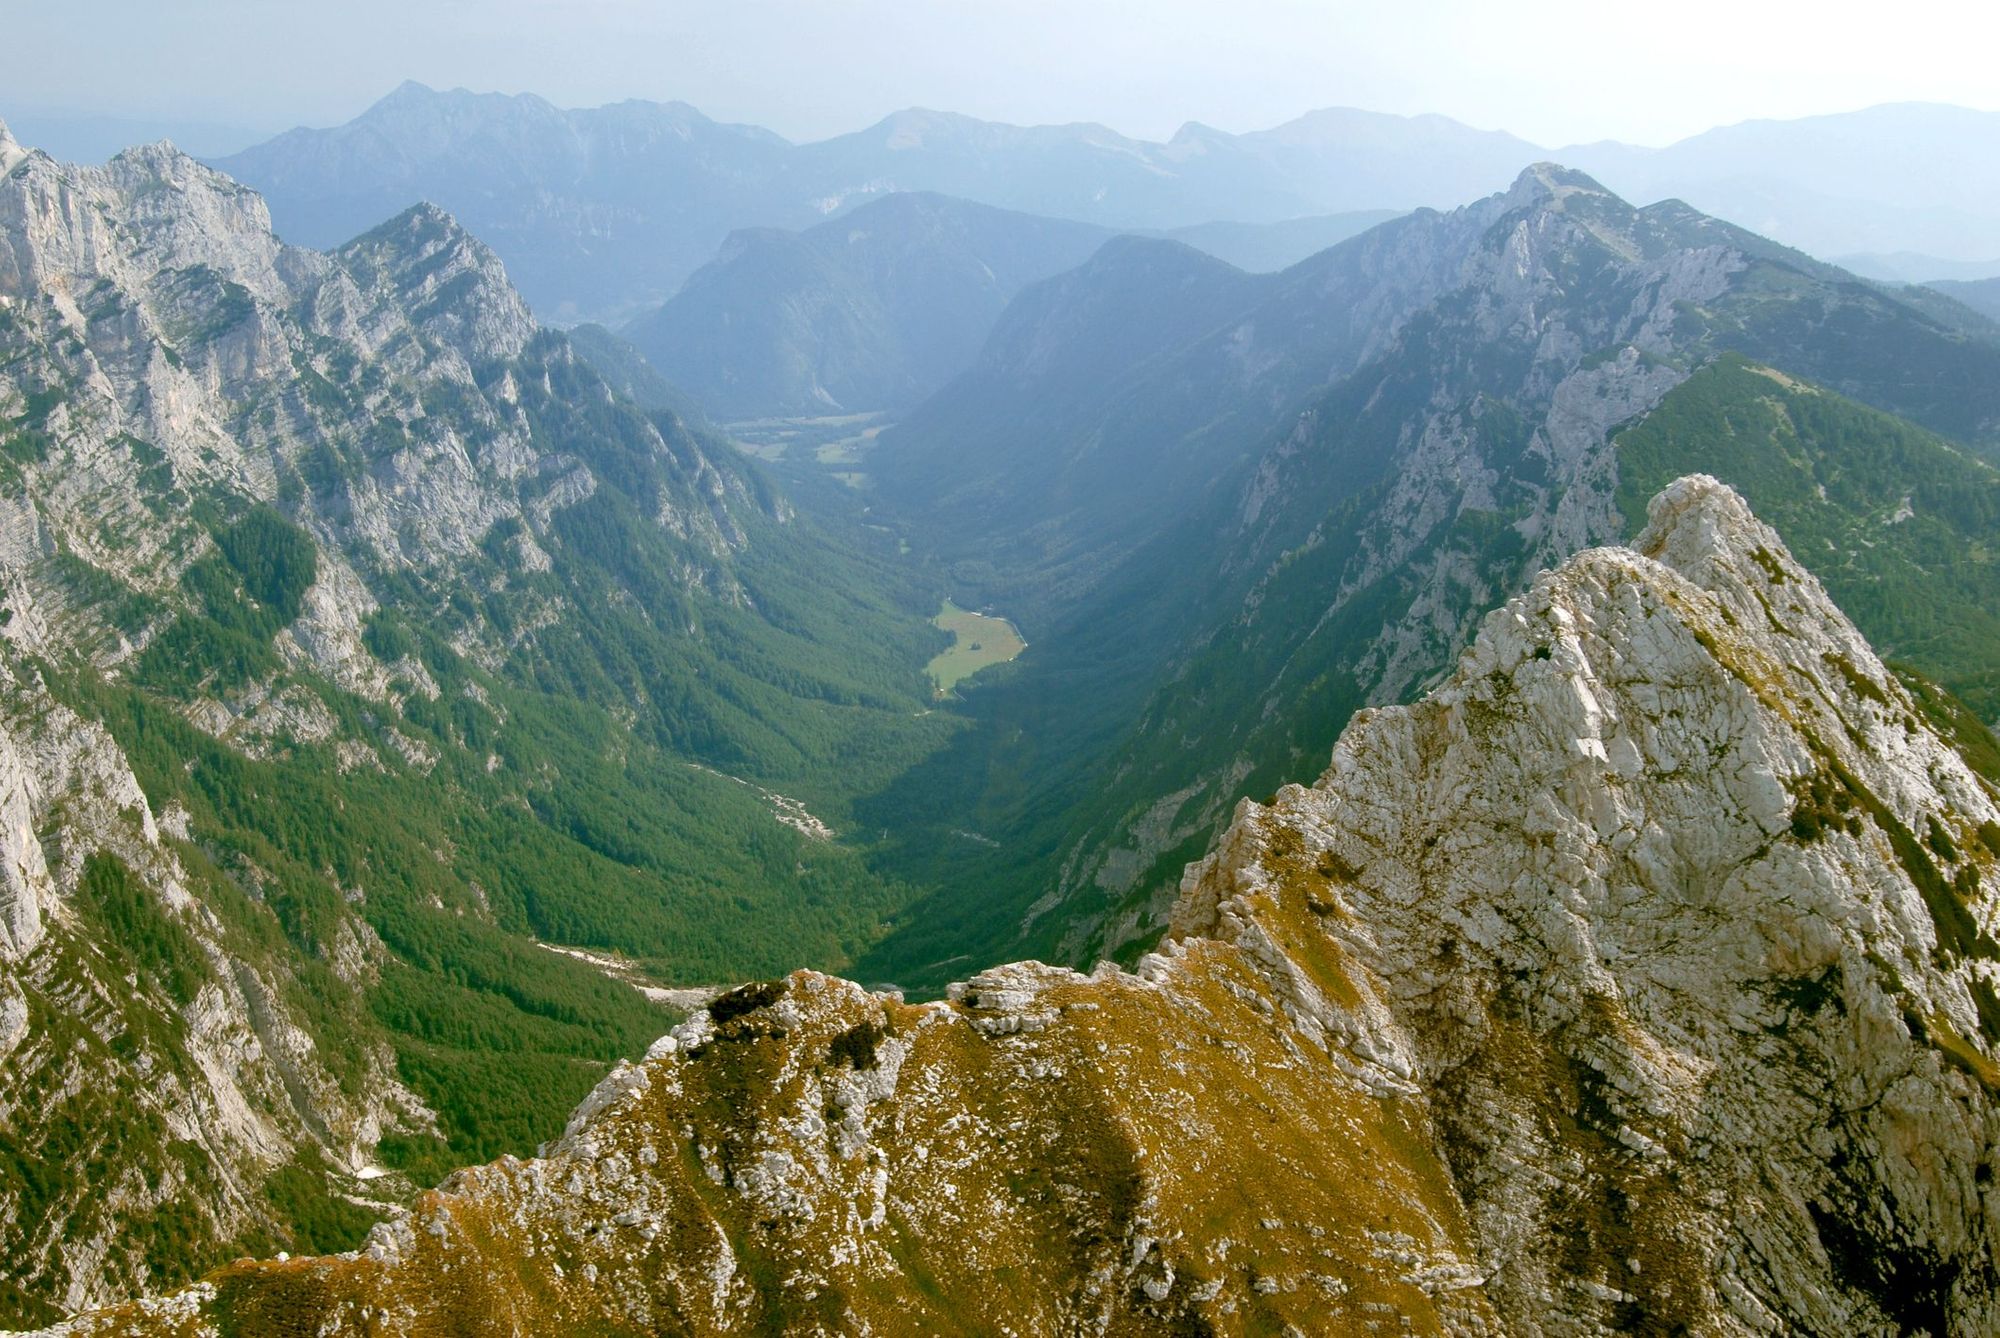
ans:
(879, 308)
(1902, 177)
(416, 721)
(603, 213)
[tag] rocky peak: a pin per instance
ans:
(195, 215)
(413, 236)
(1560, 207)
(1704, 529)
(11, 152)
(1670, 878)
(1633, 980)
(173, 215)
(430, 120)
(1553, 183)
(409, 91)
(455, 287)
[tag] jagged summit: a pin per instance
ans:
(439, 269)
(414, 96)
(1639, 978)
(416, 235)
(1704, 529)
(11, 152)
(1556, 181)
(1551, 187)
(174, 212)
(409, 89)
(160, 154)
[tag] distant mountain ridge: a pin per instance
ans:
(872, 310)
(594, 211)
(1915, 267)
(1897, 177)
(601, 213)
(879, 307)
(1982, 295)
(1265, 248)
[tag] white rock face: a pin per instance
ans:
(1659, 1013)
(11, 153)
(26, 892)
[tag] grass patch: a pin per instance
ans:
(1961, 1053)
(978, 641)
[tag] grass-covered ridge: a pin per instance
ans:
(1902, 526)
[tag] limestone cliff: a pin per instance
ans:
(1639, 978)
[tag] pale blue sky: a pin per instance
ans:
(1557, 71)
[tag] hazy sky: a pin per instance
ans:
(1554, 71)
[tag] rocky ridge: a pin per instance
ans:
(1642, 976)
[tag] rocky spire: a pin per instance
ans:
(424, 252)
(11, 152)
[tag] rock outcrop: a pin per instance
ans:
(1639, 978)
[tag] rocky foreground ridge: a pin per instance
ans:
(1640, 978)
